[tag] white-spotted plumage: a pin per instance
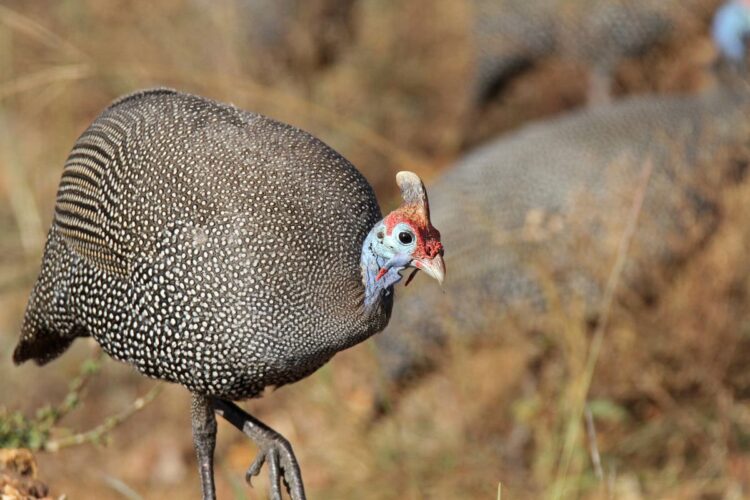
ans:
(205, 245)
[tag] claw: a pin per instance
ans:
(255, 467)
(279, 469)
(274, 449)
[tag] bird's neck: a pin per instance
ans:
(376, 287)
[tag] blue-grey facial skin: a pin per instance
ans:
(391, 245)
(385, 255)
(383, 252)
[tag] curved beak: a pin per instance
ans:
(434, 267)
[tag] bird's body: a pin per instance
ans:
(199, 274)
(218, 249)
(289, 37)
(553, 200)
(510, 35)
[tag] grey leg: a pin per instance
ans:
(274, 449)
(600, 83)
(204, 440)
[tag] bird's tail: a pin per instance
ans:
(42, 346)
(48, 327)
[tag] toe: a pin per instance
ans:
(290, 469)
(255, 467)
(274, 474)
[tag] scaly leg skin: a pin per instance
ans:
(204, 440)
(274, 449)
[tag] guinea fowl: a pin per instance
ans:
(221, 250)
(551, 200)
(510, 36)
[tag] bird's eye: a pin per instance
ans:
(405, 237)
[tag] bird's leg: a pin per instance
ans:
(599, 87)
(274, 449)
(204, 440)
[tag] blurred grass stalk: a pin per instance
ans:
(19, 192)
(575, 396)
(27, 26)
(46, 77)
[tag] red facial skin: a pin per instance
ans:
(428, 243)
(428, 237)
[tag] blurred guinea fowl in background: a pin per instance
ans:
(551, 201)
(513, 35)
(290, 37)
(529, 201)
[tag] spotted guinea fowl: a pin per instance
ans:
(552, 200)
(294, 36)
(221, 250)
(511, 35)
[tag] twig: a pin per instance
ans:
(593, 446)
(89, 368)
(120, 487)
(96, 434)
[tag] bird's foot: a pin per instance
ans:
(282, 464)
(274, 449)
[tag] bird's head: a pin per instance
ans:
(731, 31)
(406, 237)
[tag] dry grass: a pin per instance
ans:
(667, 397)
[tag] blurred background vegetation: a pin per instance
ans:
(390, 85)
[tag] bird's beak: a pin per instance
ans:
(434, 267)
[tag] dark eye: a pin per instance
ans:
(405, 238)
